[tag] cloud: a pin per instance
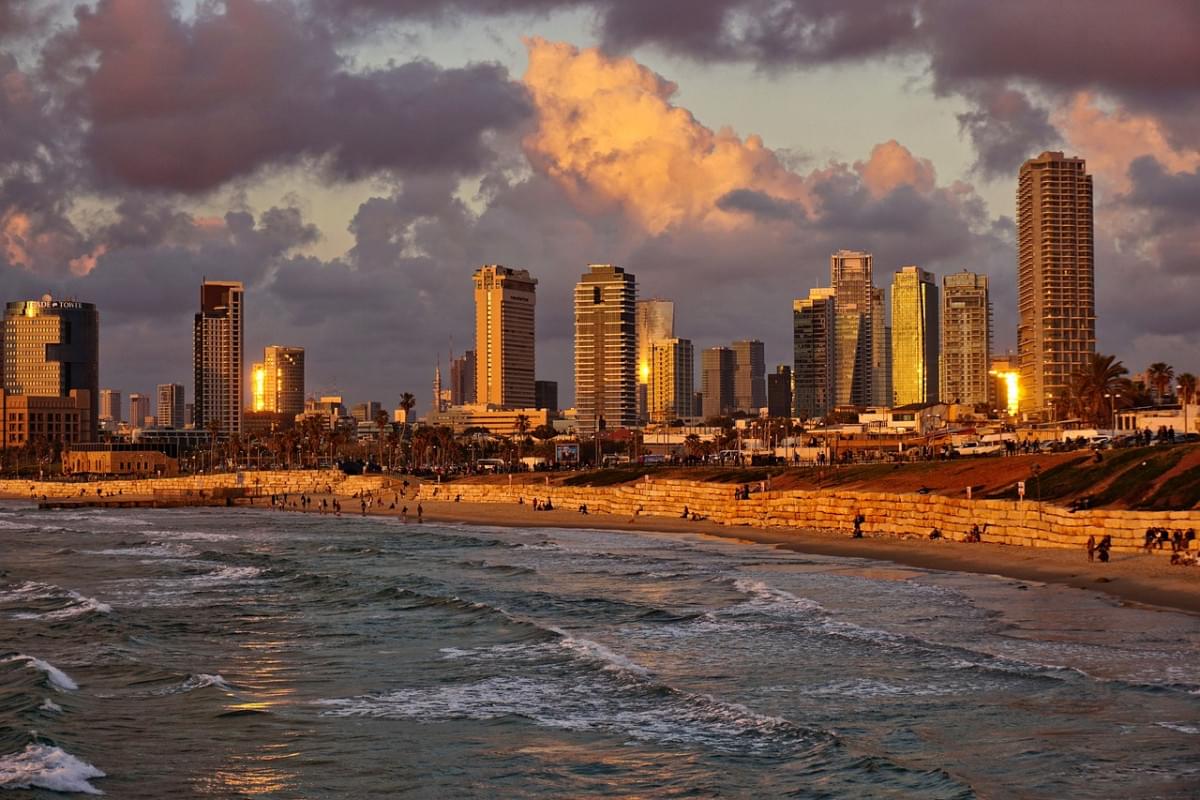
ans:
(189, 104)
(1006, 128)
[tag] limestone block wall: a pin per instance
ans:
(1026, 524)
(266, 482)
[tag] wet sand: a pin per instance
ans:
(1140, 578)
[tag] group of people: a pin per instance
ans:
(1179, 540)
(1099, 549)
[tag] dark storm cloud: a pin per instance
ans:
(188, 105)
(760, 204)
(1005, 128)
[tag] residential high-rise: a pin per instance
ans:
(110, 405)
(366, 412)
(546, 395)
(1056, 296)
(716, 381)
(779, 392)
(170, 405)
(606, 348)
(655, 322)
(814, 347)
(673, 380)
(504, 336)
(916, 337)
(139, 409)
(217, 357)
(49, 348)
(277, 384)
(851, 280)
(749, 376)
(462, 379)
(881, 350)
(966, 339)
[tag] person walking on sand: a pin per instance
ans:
(859, 519)
(404, 514)
(1091, 548)
(420, 513)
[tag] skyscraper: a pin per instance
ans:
(851, 280)
(779, 392)
(139, 409)
(916, 337)
(462, 379)
(673, 380)
(749, 376)
(504, 336)
(110, 405)
(881, 350)
(814, 347)
(655, 322)
(170, 405)
(716, 381)
(217, 357)
(606, 347)
(51, 347)
(282, 380)
(966, 339)
(1056, 297)
(547, 395)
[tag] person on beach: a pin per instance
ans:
(685, 513)
(859, 519)
(1103, 549)
(363, 503)
(404, 514)
(420, 513)
(1091, 548)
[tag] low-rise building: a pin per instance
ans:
(118, 459)
(25, 418)
(498, 421)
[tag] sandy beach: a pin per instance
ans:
(1142, 579)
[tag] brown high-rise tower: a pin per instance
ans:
(1056, 295)
(504, 336)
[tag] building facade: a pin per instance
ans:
(716, 382)
(546, 395)
(1056, 296)
(504, 336)
(850, 274)
(33, 418)
(462, 379)
(779, 392)
(881, 350)
(170, 405)
(278, 381)
(217, 357)
(749, 376)
(814, 350)
(139, 411)
(916, 337)
(110, 406)
(51, 348)
(673, 379)
(655, 322)
(606, 348)
(966, 339)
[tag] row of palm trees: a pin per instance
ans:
(1102, 388)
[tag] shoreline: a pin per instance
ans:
(1131, 578)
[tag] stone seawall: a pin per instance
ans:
(262, 482)
(1027, 524)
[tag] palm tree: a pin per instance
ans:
(1160, 375)
(521, 427)
(381, 422)
(1090, 385)
(1187, 395)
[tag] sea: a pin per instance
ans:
(240, 653)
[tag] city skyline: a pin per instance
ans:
(920, 170)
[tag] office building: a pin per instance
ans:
(779, 392)
(26, 418)
(1056, 297)
(110, 406)
(916, 337)
(672, 379)
(277, 382)
(462, 379)
(814, 348)
(851, 279)
(655, 322)
(716, 382)
(217, 357)
(51, 347)
(504, 336)
(606, 348)
(139, 411)
(1004, 386)
(749, 376)
(966, 339)
(170, 405)
(366, 412)
(546, 395)
(881, 350)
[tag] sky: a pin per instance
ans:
(354, 161)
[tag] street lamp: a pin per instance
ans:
(1112, 409)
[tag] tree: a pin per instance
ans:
(1091, 385)
(1187, 395)
(521, 426)
(381, 422)
(1160, 375)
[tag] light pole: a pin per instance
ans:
(1112, 410)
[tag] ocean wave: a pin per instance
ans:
(76, 604)
(41, 766)
(607, 659)
(767, 599)
(57, 678)
(1179, 727)
(50, 706)
(196, 681)
(150, 550)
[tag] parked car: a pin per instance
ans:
(978, 449)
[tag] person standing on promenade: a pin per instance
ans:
(420, 513)
(1091, 548)
(859, 519)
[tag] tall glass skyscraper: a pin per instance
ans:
(606, 348)
(217, 357)
(851, 279)
(916, 337)
(655, 323)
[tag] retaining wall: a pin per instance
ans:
(1027, 523)
(266, 482)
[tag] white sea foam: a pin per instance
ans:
(768, 599)
(58, 679)
(41, 766)
(155, 550)
(1180, 727)
(596, 652)
(50, 705)
(29, 590)
(202, 681)
(79, 604)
